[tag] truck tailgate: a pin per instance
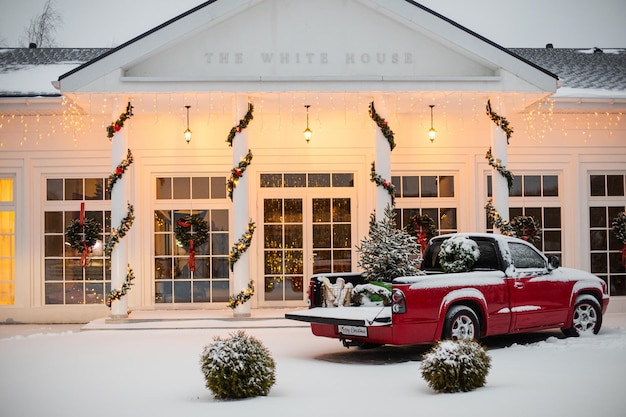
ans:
(350, 316)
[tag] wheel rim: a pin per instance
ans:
(462, 328)
(585, 318)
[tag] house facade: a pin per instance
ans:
(106, 141)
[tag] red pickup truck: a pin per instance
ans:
(511, 288)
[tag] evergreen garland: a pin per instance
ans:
(237, 173)
(117, 294)
(458, 254)
(119, 171)
(383, 125)
(119, 233)
(381, 182)
(242, 297)
(500, 121)
(503, 225)
(117, 125)
(241, 246)
(497, 165)
(243, 123)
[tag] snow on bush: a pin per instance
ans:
(238, 367)
(456, 365)
(458, 254)
(374, 293)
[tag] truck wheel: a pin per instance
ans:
(461, 323)
(587, 317)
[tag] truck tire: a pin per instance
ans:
(586, 317)
(461, 323)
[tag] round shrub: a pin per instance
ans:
(456, 365)
(237, 367)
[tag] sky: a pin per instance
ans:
(102, 373)
(510, 23)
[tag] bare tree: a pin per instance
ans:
(40, 32)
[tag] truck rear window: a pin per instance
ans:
(488, 260)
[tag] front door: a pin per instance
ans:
(305, 231)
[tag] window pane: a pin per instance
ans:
(221, 291)
(552, 241)
(429, 186)
(446, 186)
(162, 221)
(341, 209)
(53, 222)
(597, 239)
(94, 189)
(516, 189)
(271, 180)
(490, 187)
(219, 220)
(597, 216)
(293, 236)
(182, 188)
(396, 183)
(615, 185)
(343, 180)
(293, 210)
(342, 237)
(74, 189)
(200, 187)
(597, 185)
(295, 180)
(598, 263)
(218, 187)
(410, 186)
(532, 185)
(551, 186)
(552, 217)
(54, 189)
(321, 236)
(164, 188)
(6, 190)
(319, 180)
(321, 210)
(448, 218)
(272, 210)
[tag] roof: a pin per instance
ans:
(29, 72)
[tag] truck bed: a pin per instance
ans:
(349, 316)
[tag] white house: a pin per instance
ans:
(257, 73)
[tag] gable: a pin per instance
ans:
(382, 45)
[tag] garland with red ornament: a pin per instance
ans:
(119, 171)
(381, 182)
(243, 123)
(117, 125)
(236, 173)
(500, 121)
(383, 125)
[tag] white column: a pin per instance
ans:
(500, 188)
(119, 210)
(241, 209)
(382, 161)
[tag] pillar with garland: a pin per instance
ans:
(499, 184)
(241, 207)
(381, 170)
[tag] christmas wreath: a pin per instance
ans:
(241, 246)
(82, 234)
(423, 228)
(191, 232)
(458, 254)
(524, 227)
(119, 171)
(497, 165)
(117, 125)
(242, 297)
(237, 173)
(243, 123)
(619, 228)
(500, 121)
(117, 294)
(381, 182)
(383, 125)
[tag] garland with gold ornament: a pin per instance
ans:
(500, 121)
(82, 234)
(117, 125)
(503, 225)
(191, 232)
(497, 165)
(383, 125)
(242, 297)
(236, 173)
(619, 229)
(381, 182)
(119, 171)
(243, 123)
(241, 245)
(114, 295)
(119, 233)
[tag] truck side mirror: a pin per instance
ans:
(553, 262)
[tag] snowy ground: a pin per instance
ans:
(61, 371)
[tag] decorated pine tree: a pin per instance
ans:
(388, 252)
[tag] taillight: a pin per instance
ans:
(398, 302)
(310, 294)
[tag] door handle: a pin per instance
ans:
(518, 285)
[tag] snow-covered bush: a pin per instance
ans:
(456, 365)
(388, 252)
(239, 366)
(458, 254)
(374, 293)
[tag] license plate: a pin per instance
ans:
(352, 330)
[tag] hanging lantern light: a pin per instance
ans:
(307, 131)
(432, 133)
(187, 131)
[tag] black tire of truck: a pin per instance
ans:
(586, 317)
(461, 323)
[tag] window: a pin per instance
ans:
(425, 186)
(7, 241)
(175, 282)
(65, 280)
(525, 257)
(606, 202)
(316, 180)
